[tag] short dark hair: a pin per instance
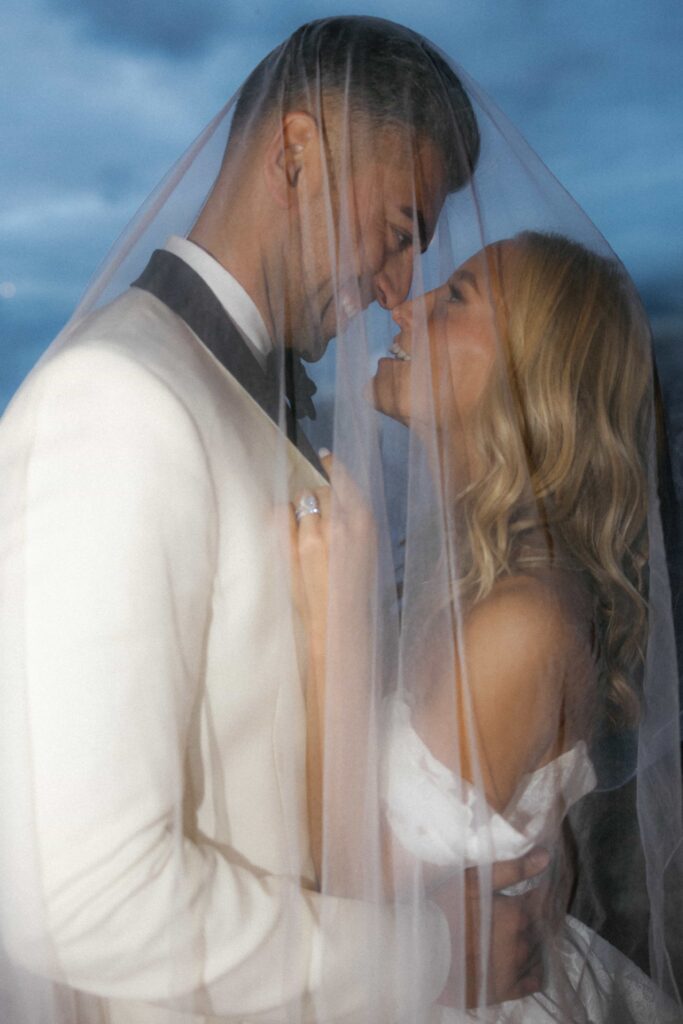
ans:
(388, 74)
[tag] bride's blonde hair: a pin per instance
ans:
(561, 436)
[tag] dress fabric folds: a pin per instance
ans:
(431, 820)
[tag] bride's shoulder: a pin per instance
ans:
(529, 639)
(519, 651)
(516, 653)
(540, 609)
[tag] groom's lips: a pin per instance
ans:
(349, 305)
(345, 304)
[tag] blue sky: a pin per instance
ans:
(102, 96)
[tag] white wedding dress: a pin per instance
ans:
(441, 819)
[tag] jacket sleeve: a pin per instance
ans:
(106, 575)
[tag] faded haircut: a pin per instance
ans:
(386, 75)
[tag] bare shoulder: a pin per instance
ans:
(517, 655)
(523, 648)
(531, 616)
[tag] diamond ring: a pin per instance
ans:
(307, 505)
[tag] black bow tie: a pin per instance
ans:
(299, 388)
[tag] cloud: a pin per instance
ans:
(168, 26)
(182, 29)
(102, 96)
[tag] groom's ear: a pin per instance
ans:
(293, 159)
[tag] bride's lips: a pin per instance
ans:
(397, 350)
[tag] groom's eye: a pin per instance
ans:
(404, 239)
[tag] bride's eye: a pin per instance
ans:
(454, 293)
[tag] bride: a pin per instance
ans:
(526, 378)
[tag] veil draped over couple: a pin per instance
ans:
(339, 681)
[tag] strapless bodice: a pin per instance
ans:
(442, 819)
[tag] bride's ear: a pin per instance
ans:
(293, 159)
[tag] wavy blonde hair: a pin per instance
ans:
(561, 435)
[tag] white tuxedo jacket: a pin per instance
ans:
(149, 663)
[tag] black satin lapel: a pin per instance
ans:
(301, 442)
(181, 288)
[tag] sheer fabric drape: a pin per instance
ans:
(156, 686)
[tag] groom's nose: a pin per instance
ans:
(392, 283)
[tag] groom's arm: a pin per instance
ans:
(106, 570)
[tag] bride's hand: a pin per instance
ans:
(332, 525)
(309, 530)
(333, 554)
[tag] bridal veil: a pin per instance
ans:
(411, 173)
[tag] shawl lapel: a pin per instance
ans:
(181, 288)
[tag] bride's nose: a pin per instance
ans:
(421, 306)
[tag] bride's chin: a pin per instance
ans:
(385, 396)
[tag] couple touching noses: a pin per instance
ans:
(232, 805)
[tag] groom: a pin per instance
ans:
(162, 707)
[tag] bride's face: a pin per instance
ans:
(444, 352)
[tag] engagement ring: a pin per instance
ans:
(307, 505)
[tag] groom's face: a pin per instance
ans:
(360, 244)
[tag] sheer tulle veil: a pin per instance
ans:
(470, 518)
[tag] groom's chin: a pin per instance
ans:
(313, 351)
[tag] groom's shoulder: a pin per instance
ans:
(126, 355)
(134, 343)
(135, 328)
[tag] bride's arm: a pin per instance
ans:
(337, 625)
(513, 970)
(492, 710)
(512, 668)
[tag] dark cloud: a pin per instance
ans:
(662, 299)
(173, 27)
(182, 28)
(102, 96)
(24, 334)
